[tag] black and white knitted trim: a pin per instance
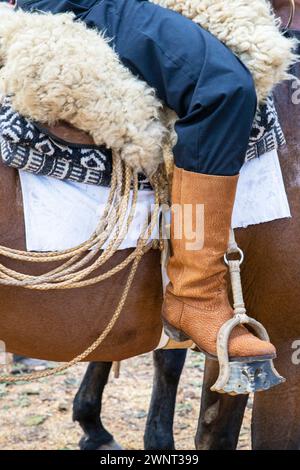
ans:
(266, 133)
(29, 160)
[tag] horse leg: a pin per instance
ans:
(87, 408)
(276, 413)
(221, 416)
(168, 365)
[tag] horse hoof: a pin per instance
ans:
(248, 377)
(112, 445)
(27, 364)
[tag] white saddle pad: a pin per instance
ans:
(261, 195)
(59, 215)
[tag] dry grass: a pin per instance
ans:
(39, 415)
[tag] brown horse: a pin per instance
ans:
(270, 277)
(30, 321)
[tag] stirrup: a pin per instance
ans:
(242, 377)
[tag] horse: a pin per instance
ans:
(30, 321)
(270, 275)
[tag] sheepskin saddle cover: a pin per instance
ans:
(49, 79)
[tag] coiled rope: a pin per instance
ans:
(79, 263)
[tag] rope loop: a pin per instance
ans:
(79, 263)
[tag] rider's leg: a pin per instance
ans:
(214, 97)
(191, 71)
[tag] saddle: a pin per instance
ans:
(69, 134)
(60, 151)
(68, 153)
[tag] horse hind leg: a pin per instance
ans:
(168, 365)
(87, 408)
(221, 415)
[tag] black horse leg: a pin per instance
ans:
(168, 366)
(221, 416)
(87, 408)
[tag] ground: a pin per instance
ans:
(39, 415)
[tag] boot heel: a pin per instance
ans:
(173, 333)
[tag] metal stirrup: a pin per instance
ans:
(252, 375)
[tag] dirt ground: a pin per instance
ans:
(39, 415)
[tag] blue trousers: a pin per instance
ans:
(195, 74)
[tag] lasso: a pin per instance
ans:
(79, 263)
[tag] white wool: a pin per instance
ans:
(51, 79)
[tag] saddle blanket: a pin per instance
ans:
(59, 214)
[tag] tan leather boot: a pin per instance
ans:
(196, 303)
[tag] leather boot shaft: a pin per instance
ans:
(201, 219)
